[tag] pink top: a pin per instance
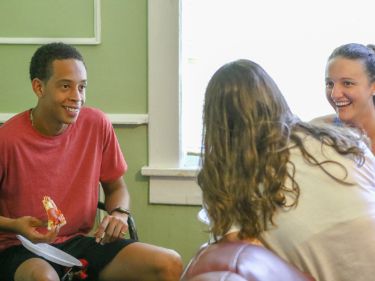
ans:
(67, 167)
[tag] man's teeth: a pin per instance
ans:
(71, 109)
(342, 103)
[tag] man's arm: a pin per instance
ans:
(27, 226)
(7, 224)
(114, 225)
(116, 195)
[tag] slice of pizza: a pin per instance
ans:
(55, 216)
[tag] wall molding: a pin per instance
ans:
(163, 190)
(115, 118)
(74, 41)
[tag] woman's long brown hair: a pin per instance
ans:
(248, 129)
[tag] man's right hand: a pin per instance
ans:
(28, 227)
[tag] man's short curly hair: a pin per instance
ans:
(41, 61)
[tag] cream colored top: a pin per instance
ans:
(331, 232)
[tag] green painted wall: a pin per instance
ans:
(117, 73)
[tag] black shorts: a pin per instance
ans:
(81, 247)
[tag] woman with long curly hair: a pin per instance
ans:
(305, 191)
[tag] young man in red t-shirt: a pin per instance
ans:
(64, 150)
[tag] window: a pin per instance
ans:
(291, 40)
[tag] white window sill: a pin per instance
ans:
(175, 186)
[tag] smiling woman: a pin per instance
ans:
(350, 88)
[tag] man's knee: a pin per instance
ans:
(44, 278)
(35, 270)
(169, 266)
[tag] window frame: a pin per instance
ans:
(170, 181)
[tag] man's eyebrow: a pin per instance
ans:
(70, 81)
(64, 80)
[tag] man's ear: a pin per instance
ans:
(373, 88)
(37, 86)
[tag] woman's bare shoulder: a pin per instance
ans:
(326, 119)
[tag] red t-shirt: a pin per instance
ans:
(67, 167)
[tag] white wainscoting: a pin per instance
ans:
(116, 118)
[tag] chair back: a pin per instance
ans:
(240, 261)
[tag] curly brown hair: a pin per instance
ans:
(248, 129)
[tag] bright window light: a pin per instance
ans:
(291, 39)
